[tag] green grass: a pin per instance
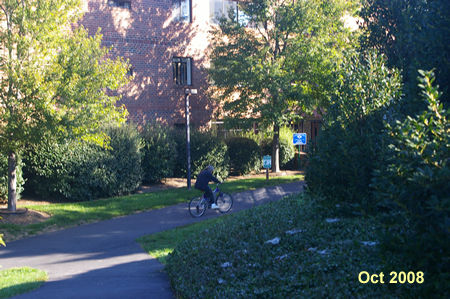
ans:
(70, 214)
(20, 280)
(229, 257)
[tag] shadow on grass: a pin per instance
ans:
(21, 288)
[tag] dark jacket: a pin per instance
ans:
(203, 178)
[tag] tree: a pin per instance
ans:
(55, 79)
(413, 35)
(278, 60)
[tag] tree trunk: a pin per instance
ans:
(12, 196)
(276, 149)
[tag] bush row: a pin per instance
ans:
(78, 170)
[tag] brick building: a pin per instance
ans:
(166, 43)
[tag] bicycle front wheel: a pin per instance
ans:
(197, 206)
(225, 202)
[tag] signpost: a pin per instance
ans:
(299, 139)
(267, 163)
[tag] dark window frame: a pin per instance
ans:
(120, 3)
(182, 71)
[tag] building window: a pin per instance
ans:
(221, 8)
(181, 10)
(182, 71)
(120, 3)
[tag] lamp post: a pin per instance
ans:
(187, 93)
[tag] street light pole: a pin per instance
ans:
(187, 93)
(188, 140)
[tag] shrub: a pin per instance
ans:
(414, 189)
(4, 178)
(62, 169)
(350, 145)
(125, 159)
(206, 149)
(245, 155)
(159, 153)
(77, 170)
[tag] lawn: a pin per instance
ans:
(70, 214)
(289, 248)
(20, 280)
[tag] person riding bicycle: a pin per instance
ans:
(204, 177)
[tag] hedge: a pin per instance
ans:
(206, 149)
(77, 170)
(159, 153)
(245, 155)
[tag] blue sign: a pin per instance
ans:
(299, 138)
(267, 161)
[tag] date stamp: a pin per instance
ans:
(394, 277)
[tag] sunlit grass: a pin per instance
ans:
(70, 214)
(20, 280)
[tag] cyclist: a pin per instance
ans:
(204, 177)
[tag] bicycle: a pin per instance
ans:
(198, 205)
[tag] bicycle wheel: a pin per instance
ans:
(225, 202)
(197, 206)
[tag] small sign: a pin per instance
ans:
(299, 138)
(267, 161)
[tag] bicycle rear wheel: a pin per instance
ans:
(197, 206)
(225, 202)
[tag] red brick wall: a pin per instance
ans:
(149, 38)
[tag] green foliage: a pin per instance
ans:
(78, 170)
(159, 153)
(350, 144)
(413, 35)
(285, 69)
(56, 78)
(413, 187)
(124, 159)
(313, 259)
(4, 178)
(245, 155)
(206, 149)
(55, 81)
(63, 170)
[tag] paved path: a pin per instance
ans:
(103, 260)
